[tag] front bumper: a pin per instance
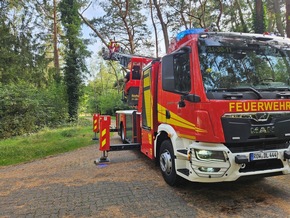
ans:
(234, 166)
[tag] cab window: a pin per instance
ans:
(181, 72)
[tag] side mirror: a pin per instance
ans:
(168, 68)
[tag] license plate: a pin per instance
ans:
(263, 155)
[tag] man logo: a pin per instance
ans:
(261, 117)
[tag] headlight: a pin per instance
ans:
(209, 169)
(209, 155)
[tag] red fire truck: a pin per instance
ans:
(214, 109)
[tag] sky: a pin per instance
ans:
(90, 13)
(96, 45)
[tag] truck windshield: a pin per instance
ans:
(243, 63)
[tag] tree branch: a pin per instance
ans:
(94, 29)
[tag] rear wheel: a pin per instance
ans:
(122, 133)
(167, 163)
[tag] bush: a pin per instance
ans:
(26, 109)
(109, 103)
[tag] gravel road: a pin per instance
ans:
(130, 185)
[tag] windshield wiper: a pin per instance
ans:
(242, 89)
(237, 89)
(218, 90)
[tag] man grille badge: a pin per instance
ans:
(261, 117)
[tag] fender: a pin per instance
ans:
(171, 133)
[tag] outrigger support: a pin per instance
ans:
(105, 145)
(103, 159)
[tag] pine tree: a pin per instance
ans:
(75, 54)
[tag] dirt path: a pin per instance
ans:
(71, 185)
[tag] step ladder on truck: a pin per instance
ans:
(214, 109)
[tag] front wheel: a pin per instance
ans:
(167, 163)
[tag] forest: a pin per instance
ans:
(48, 76)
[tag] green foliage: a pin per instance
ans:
(26, 109)
(124, 21)
(22, 54)
(109, 102)
(104, 103)
(102, 94)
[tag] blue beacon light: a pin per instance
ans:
(188, 32)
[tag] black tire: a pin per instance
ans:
(122, 133)
(167, 164)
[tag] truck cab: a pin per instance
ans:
(217, 107)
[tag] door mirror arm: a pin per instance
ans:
(188, 97)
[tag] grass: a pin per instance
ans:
(45, 143)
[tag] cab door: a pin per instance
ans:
(176, 97)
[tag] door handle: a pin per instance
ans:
(167, 114)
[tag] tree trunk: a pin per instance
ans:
(163, 25)
(279, 24)
(288, 18)
(155, 29)
(220, 15)
(259, 17)
(55, 48)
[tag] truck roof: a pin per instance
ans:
(194, 34)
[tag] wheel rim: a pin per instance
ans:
(166, 162)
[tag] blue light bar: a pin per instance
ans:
(188, 32)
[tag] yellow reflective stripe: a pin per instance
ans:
(146, 81)
(147, 98)
(176, 120)
(161, 114)
(104, 142)
(95, 124)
